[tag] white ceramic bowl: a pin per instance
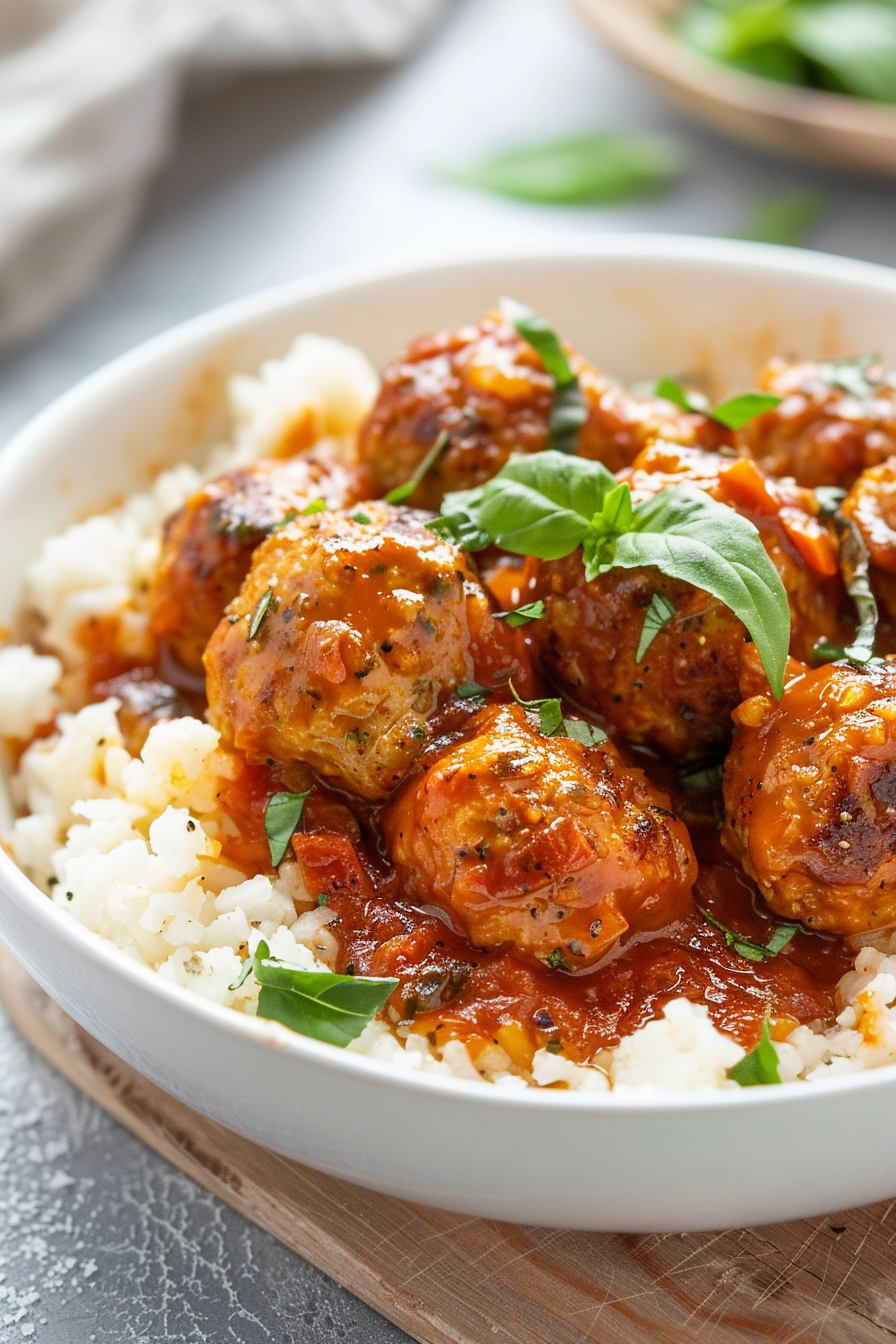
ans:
(639, 307)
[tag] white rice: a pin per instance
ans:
(131, 847)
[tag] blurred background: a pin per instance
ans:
(159, 159)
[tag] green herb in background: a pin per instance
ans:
(404, 491)
(760, 1067)
(331, 1008)
(845, 46)
(786, 218)
(597, 168)
(733, 413)
(569, 410)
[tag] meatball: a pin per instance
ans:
(820, 434)
(540, 844)
(810, 797)
(679, 698)
(207, 545)
(871, 505)
(347, 635)
(488, 389)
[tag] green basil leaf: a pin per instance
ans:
(540, 505)
(471, 690)
(403, 492)
(259, 611)
(785, 218)
(854, 41)
(760, 1067)
(659, 613)
(739, 411)
(850, 375)
(316, 506)
(282, 815)
(532, 611)
(746, 947)
(670, 390)
(688, 536)
(329, 1007)
(361, 517)
(550, 717)
(703, 779)
(542, 338)
(854, 565)
(569, 410)
(583, 732)
(591, 169)
(458, 521)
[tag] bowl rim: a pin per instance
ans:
(229, 318)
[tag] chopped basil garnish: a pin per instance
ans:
(745, 947)
(549, 504)
(403, 492)
(597, 168)
(360, 517)
(786, 218)
(532, 611)
(760, 1067)
(316, 506)
(329, 1007)
(583, 732)
(259, 611)
(551, 722)
(282, 816)
(850, 375)
(659, 613)
(733, 414)
(569, 410)
(855, 561)
(471, 690)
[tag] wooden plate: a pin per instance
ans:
(807, 124)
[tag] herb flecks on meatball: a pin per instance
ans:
(348, 634)
(539, 844)
(810, 797)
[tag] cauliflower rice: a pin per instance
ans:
(130, 846)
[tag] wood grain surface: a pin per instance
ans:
(444, 1277)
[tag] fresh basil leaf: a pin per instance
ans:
(583, 732)
(591, 169)
(760, 1067)
(549, 711)
(703, 779)
(316, 506)
(361, 517)
(784, 218)
(739, 411)
(282, 815)
(259, 611)
(850, 375)
(746, 947)
(670, 390)
(328, 1007)
(542, 338)
(659, 613)
(403, 492)
(243, 976)
(854, 564)
(458, 523)
(532, 611)
(569, 410)
(854, 43)
(471, 690)
(540, 505)
(689, 536)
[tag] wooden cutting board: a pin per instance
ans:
(445, 1277)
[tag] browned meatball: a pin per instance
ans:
(539, 843)
(347, 635)
(810, 797)
(489, 390)
(820, 434)
(207, 545)
(679, 698)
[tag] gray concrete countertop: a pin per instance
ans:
(276, 177)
